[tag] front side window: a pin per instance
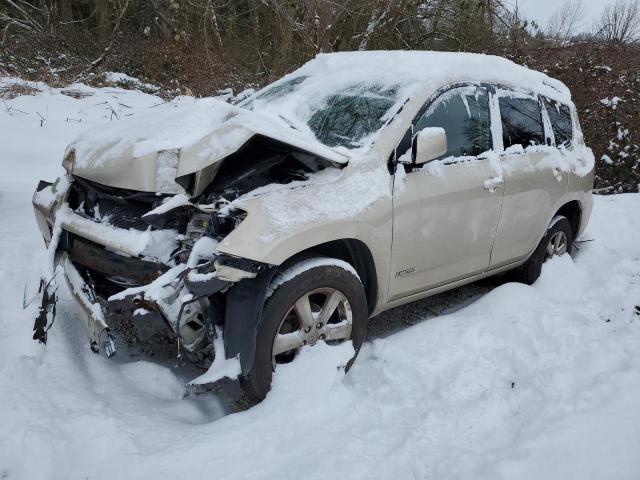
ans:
(560, 117)
(465, 116)
(521, 122)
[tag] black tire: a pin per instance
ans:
(257, 383)
(529, 271)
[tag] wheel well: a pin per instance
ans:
(573, 213)
(354, 252)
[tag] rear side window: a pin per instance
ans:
(464, 114)
(521, 122)
(560, 116)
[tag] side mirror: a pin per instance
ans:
(429, 143)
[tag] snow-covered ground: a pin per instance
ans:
(522, 382)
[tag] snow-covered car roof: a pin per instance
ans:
(433, 68)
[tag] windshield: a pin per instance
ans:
(337, 117)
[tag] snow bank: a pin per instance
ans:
(522, 383)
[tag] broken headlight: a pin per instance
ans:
(69, 160)
(216, 224)
(224, 222)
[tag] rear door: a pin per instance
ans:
(446, 212)
(534, 181)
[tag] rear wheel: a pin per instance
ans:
(556, 241)
(318, 299)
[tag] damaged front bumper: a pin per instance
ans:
(150, 294)
(47, 198)
(100, 337)
(83, 250)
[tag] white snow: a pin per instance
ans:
(166, 172)
(169, 203)
(400, 177)
(434, 132)
(167, 126)
(607, 159)
(221, 367)
(612, 103)
(321, 197)
(127, 80)
(322, 177)
(206, 130)
(402, 72)
(159, 289)
(306, 265)
(202, 249)
(523, 382)
(433, 68)
(157, 243)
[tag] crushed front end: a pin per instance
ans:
(144, 259)
(135, 235)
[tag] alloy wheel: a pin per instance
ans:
(557, 245)
(321, 314)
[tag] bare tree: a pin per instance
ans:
(620, 22)
(565, 22)
(114, 32)
(23, 15)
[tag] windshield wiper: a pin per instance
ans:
(288, 122)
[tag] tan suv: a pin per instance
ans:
(359, 182)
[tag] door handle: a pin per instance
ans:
(493, 183)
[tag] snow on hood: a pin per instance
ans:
(198, 132)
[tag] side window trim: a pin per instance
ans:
(549, 134)
(496, 120)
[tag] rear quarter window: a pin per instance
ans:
(521, 121)
(560, 117)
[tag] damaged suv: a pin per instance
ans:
(359, 182)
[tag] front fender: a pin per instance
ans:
(275, 247)
(281, 223)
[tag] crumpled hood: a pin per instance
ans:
(148, 152)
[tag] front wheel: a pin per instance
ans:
(319, 299)
(556, 241)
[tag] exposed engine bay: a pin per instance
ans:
(178, 286)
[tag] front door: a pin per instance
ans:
(446, 212)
